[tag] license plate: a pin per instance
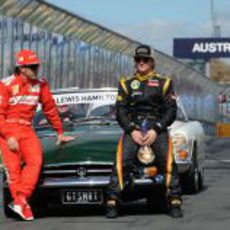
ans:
(82, 197)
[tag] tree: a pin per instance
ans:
(219, 70)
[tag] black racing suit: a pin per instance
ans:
(148, 97)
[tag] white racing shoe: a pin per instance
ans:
(22, 209)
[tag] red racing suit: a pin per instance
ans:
(19, 97)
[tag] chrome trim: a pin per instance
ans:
(180, 162)
(79, 163)
(53, 171)
(73, 182)
(58, 171)
(143, 181)
(99, 170)
(86, 182)
(81, 172)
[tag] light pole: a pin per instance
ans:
(215, 27)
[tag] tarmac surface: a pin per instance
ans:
(209, 209)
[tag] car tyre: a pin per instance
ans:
(191, 180)
(201, 179)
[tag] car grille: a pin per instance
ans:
(80, 170)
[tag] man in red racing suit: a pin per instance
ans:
(19, 97)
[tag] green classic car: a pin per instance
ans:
(78, 173)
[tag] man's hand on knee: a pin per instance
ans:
(12, 144)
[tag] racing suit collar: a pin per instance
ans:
(146, 76)
(21, 78)
(25, 79)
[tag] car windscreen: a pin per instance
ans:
(180, 114)
(75, 114)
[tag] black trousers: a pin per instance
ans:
(163, 150)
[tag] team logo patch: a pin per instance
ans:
(119, 98)
(153, 83)
(135, 84)
(25, 99)
(15, 89)
(21, 58)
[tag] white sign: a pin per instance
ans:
(85, 98)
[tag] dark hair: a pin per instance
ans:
(16, 70)
(153, 64)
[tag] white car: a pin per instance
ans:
(189, 150)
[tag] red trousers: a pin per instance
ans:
(23, 166)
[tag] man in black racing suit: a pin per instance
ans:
(149, 96)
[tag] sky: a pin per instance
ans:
(154, 22)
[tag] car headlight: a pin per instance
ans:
(146, 155)
(180, 147)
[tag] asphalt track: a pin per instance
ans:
(209, 209)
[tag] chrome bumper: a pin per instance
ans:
(87, 182)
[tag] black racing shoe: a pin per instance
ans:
(111, 209)
(174, 208)
(175, 212)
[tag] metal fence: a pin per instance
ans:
(65, 62)
(91, 56)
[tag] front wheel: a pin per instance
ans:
(190, 180)
(201, 179)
